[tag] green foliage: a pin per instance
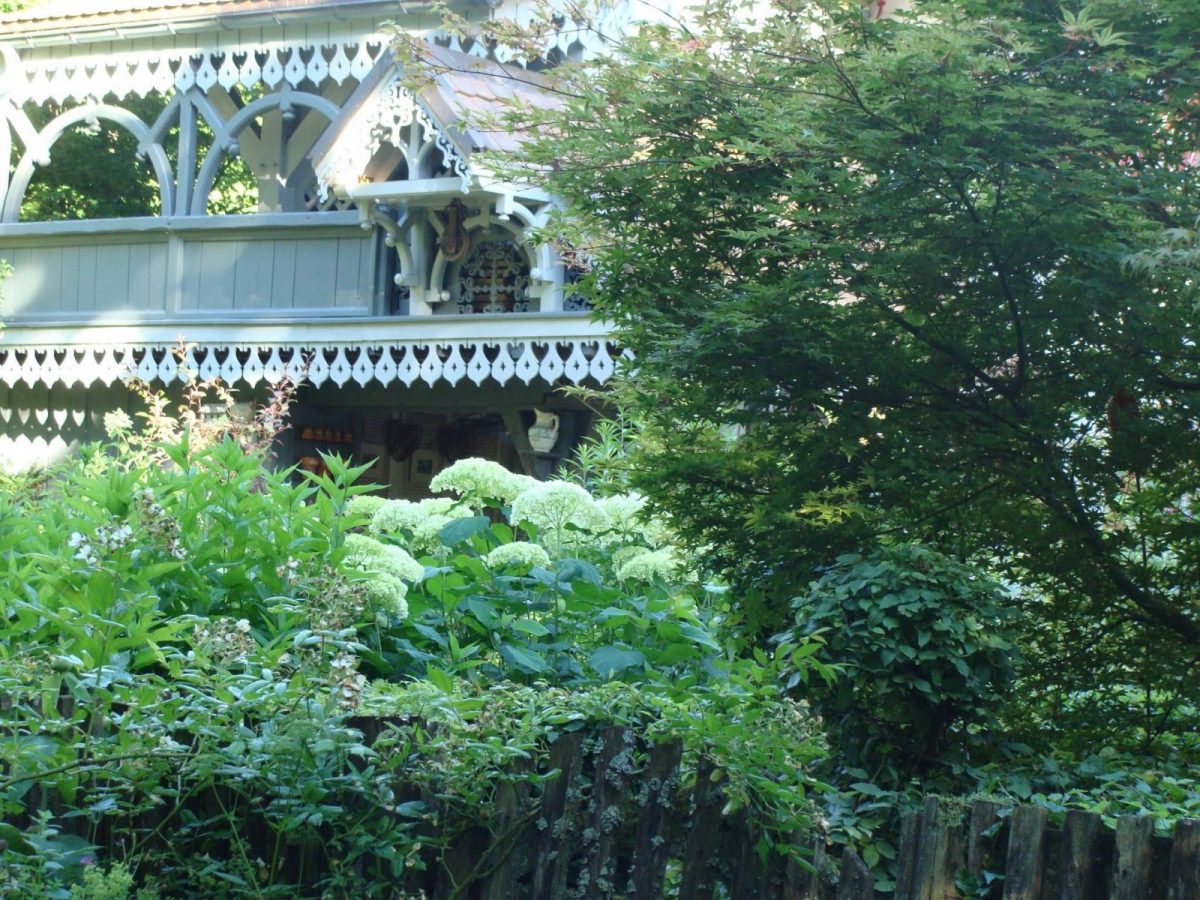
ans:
(924, 655)
(929, 277)
(188, 639)
(95, 171)
(114, 884)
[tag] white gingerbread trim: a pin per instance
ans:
(126, 72)
(478, 349)
(392, 109)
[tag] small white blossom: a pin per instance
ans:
(518, 553)
(117, 423)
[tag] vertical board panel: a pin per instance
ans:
(316, 269)
(217, 260)
(252, 280)
(349, 289)
(157, 277)
(18, 290)
(69, 278)
(50, 298)
(189, 289)
(283, 274)
(85, 285)
(139, 276)
(112, 277)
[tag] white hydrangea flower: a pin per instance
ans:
(394, 516)
(476, 480)
(388, 592)
(365, 505)
(657, 532)
(369, 555)
(651, 565)
(437, 506)
(622, 509)
(427, 536)
(622, 555)
(521, 483)
(552, 505)
(518, 553)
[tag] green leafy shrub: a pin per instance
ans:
(923, 650)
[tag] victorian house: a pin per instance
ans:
(255, 179)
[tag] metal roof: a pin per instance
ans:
(466, 90)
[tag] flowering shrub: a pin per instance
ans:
(198, 625)
(523, 580)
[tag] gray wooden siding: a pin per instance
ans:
(69, 278)
(165, 267)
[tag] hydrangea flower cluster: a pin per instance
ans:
(390, 568)
(518, 554)
(365, 505)
(653, 564)
(622, 509)
(374, 556)
(553, 505)
(477, 480)
(422, 521)
(395, 516)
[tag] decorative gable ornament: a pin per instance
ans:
(383, 119)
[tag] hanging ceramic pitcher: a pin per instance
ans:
(543, 433)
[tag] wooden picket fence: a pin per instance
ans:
(606, 829)
(1016, 855)
(621, 822)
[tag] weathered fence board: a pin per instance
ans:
(1183, 880)
(1024, 869)
(1134, 856)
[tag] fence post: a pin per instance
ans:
(910, 847)
(939, 854)
(982, 852)
(651, 852)
(1183, 878)
(855, 881)
(1087, 852)
(696, 881)
(560, 804)
(1023, 869)
(1132, 861)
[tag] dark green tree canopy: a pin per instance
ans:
(922, 279)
